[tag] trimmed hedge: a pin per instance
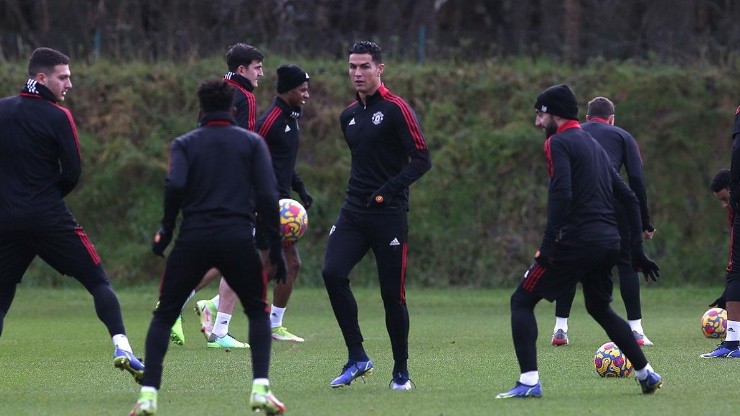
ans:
(476, 218)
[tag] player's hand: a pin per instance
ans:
(648, 232)
(641, 263)
(277, 270)
(161, 240)
(720, 302)
(379, 198)
(543, 259)
(306, 199)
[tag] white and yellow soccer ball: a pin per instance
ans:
(611, 362)
(714, 323)
(293, 219)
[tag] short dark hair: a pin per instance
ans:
(600, 107)
(720, 181)
(242, 54)
(215, 94)
(368, 47)
(44, 60)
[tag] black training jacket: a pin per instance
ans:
(581, 193)
(245, 103)
(388, 149)
(219, 176)
(623, 151)
(39, 158)
(279, 127)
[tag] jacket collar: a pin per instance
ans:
(33, 88)
(216, 118)
(240, 80)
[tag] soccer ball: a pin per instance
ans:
(611, 362)
(714, 323)
(293, 219)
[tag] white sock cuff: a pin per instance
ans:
(120, 341)
(530, 378)
(261, 382)
(561, 323)
(733, 331)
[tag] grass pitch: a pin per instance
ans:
(55, 359)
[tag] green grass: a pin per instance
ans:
(55, 359)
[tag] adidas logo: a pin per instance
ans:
(730, 329)
(224, 322)
(351, 122)
(394, 242)
(287, 128)
(31, 85)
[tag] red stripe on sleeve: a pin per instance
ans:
(252, 118)
(408, 116)
(269, 122)
(74, 127)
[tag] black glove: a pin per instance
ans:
(379, 198)
(720, 302)
(306, 199)
(277, 261)
(641, 263)
(161, 240)
(543, 259)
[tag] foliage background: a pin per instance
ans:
(667, 31)
(476, 217)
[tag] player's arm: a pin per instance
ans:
(266, 193)
(174, 189)
(268, 211)
(559, 199)
(633, 167)
(174, 193)
(70, 167)
(628, 199)
(420, 161)
(300, 188)
(245, 109)
(640, 262)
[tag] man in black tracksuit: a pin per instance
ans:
(219, 176)
(39, 166)
(580, 242)
(279, 127)
(245, 69)
(389, 153)
(623, 151)
(730, 299)
(244, 63)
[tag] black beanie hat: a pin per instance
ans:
(558, 100)
(289, 77)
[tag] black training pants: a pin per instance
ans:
(63, 245)
(351, 237)
(240, 264)
(592, 267)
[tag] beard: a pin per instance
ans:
(551, 128)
